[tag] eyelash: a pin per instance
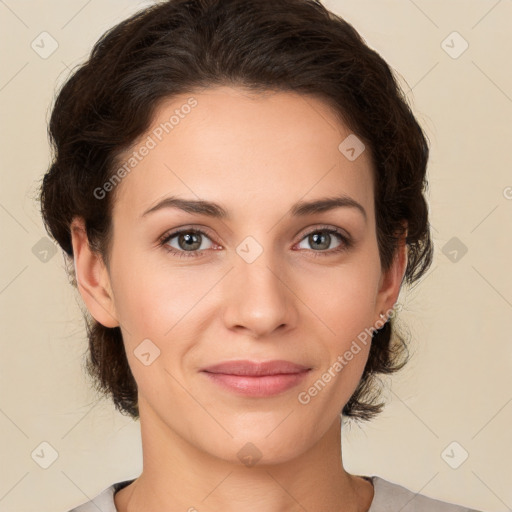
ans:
(346, 243)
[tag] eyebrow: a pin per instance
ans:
(300, 209)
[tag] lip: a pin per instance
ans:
(257, 379)
(255, 368)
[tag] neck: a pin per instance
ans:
(179, 476)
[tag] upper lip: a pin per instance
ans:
(256, 368)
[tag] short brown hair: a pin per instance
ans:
(178, 46)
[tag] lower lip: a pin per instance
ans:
(262, 386)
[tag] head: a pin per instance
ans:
(254, 106)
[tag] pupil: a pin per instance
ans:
(189, 240)
(318, 236)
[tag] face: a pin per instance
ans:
(269, 280)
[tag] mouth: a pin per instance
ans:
(256, 379)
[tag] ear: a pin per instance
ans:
(92, 277)
(391, 281)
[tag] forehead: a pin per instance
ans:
(240, 148)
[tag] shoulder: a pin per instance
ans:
(104, 501)
(388, 496)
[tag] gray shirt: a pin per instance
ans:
(388, 497)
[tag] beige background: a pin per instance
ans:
(457, 388)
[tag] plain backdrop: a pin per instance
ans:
(446, 429)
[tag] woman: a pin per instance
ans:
(240, 188)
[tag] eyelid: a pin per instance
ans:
(187, 227)
(320, 227)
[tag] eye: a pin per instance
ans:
(188, 243)
(321, 239)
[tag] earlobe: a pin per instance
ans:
(92, 277)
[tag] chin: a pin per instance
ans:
(261, 447)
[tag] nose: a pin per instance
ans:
(259, 297)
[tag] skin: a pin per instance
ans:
(256, 155)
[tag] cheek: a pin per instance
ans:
(346, 305)
(151, 299)
(346, 309)
(163, 304)
(345, 297)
